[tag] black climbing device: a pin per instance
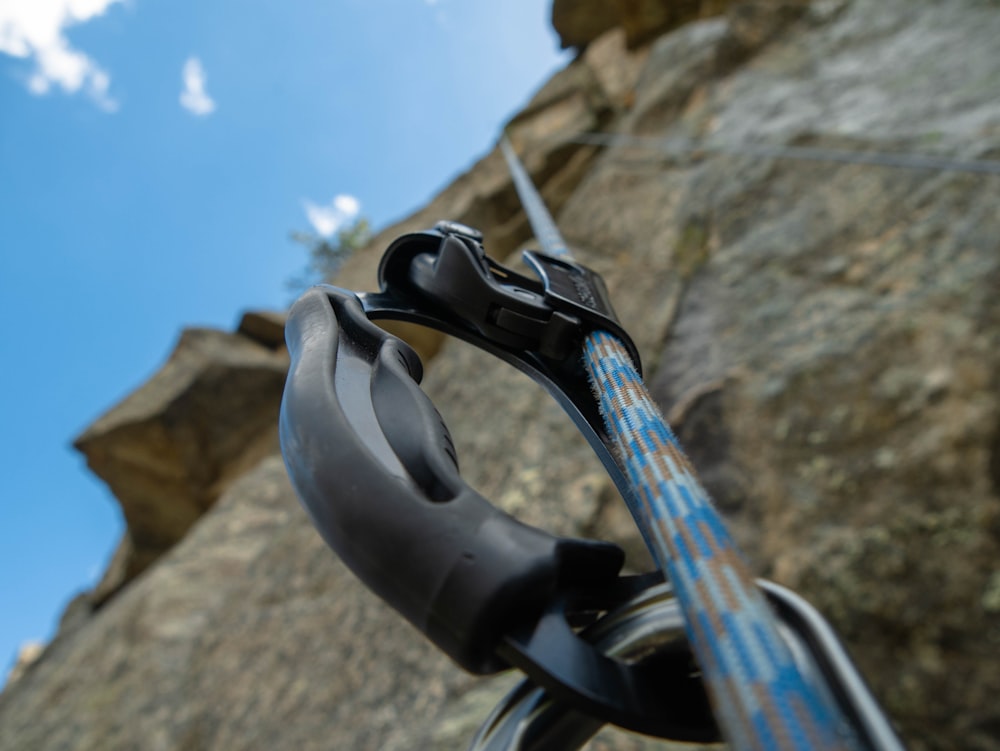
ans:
(376, 469)
(373, 463)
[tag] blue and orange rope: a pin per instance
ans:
(761, 699)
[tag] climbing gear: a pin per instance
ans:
(376, 469)
(747, 667)
(529, 718)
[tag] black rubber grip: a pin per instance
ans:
(374, 466)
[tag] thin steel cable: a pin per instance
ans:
(541, 221)
(760, 698)
(552, 243)
(681, 146)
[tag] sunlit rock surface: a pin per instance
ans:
(169, 449)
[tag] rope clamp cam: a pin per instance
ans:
(447, 269)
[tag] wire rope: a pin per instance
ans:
(682, 147)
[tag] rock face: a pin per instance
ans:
(169, 450)
(580, 22)
(825, 337)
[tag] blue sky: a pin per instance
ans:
(154, 157)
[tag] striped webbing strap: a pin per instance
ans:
(760, 697)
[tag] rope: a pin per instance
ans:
(681, 146)
(759, 696)
(761, 700)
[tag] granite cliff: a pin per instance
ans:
(825, 338)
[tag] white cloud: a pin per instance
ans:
(194, 98)
(327, 219)
(34, 29)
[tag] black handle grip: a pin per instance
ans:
(375, 468)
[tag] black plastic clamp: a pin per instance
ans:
(447, 269)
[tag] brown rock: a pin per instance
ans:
(264, 327)
(643, 20)
(616, 68)
(579, 23)
(169, 449)
(753, 24)
(27, 655)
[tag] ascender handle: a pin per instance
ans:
(375, 467)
